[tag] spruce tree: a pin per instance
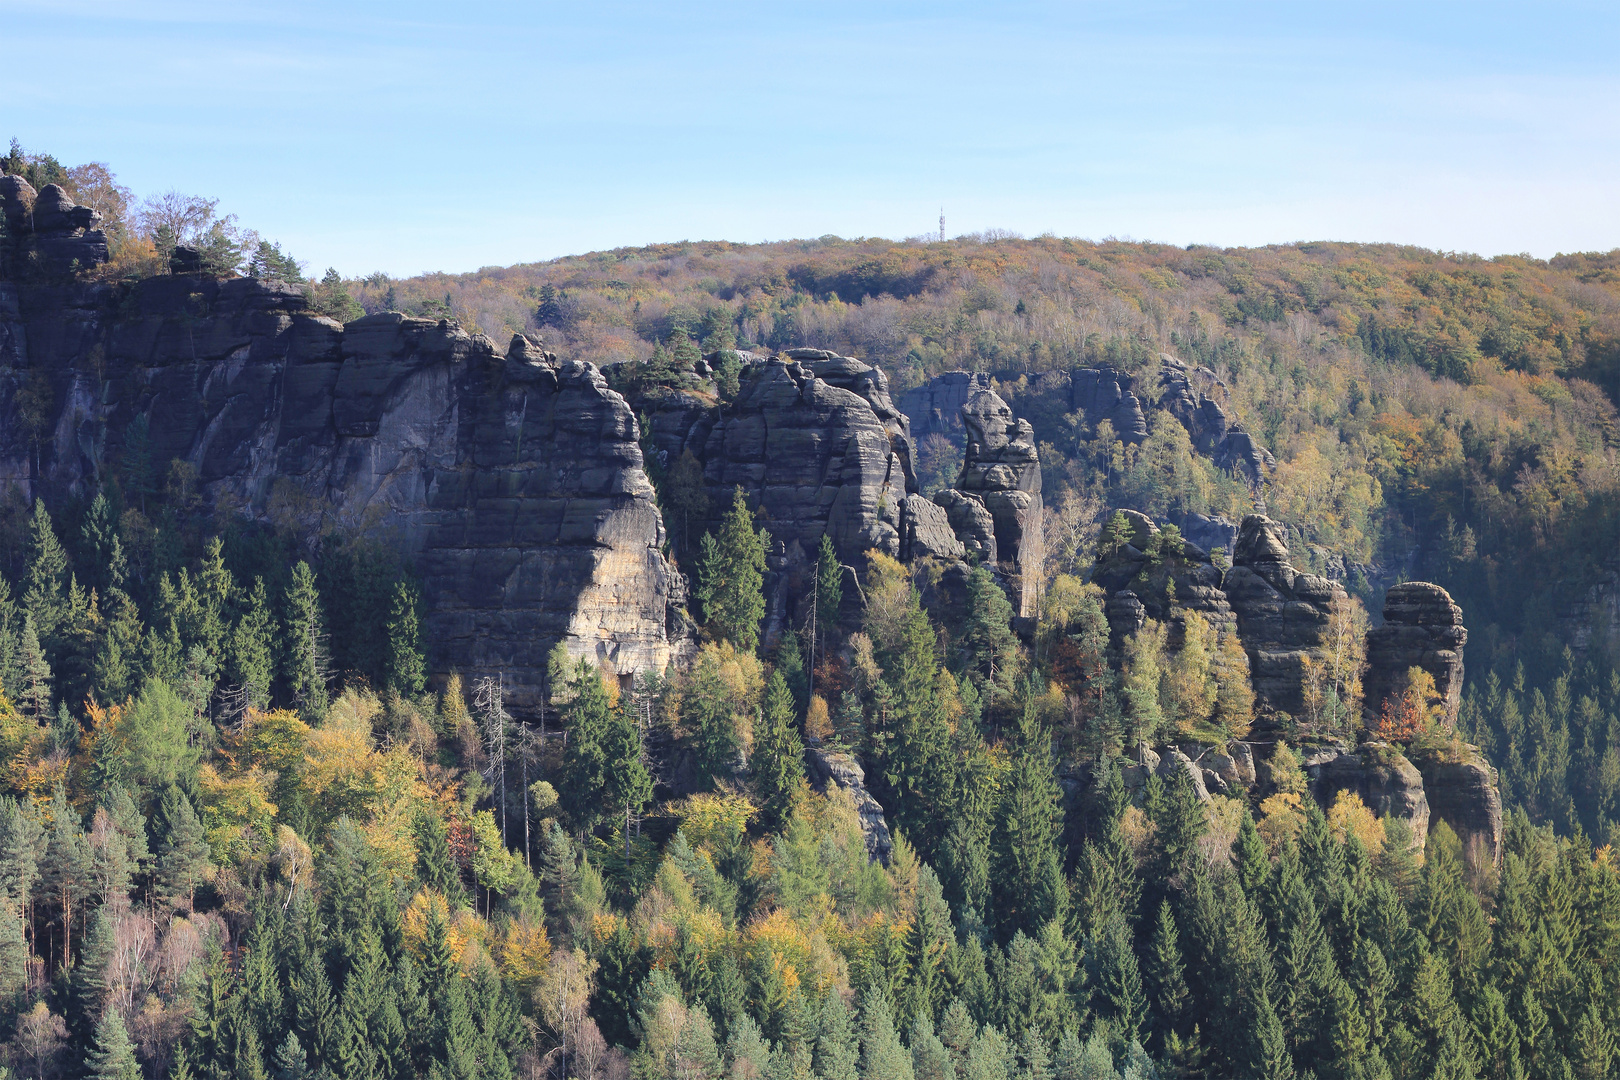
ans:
(45, 591)
(778, 760)
(1027, 880)
(1166, 972)
(584, 790)
(829, 587)
(288, 1062)
(407, 668)
(303, 657)
(731, 576)
(112, 1055)
(183, 862)
(882, 1054)
(629, 786)
(989, 646)
(1117, 979)
(34, 696)
(251, 666)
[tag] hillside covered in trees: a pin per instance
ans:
(917, 813)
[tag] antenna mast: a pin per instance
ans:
(942, 224)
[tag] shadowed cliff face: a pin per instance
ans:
(512, 482)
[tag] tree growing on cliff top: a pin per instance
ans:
(731, 576)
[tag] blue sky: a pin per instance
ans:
(411, 136)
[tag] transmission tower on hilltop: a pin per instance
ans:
(942, 224)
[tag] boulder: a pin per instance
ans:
(1424, 629)
(839, 769)
(971, 523)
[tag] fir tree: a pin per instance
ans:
(35, 693)
(1165, 971)
(731, 576)
(829, 596)
(45, 592)
(584, 790)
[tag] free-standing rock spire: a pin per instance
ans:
(1422, 629)
(1002, 473)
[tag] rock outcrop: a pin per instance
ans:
(1282, 614)
(1423, 629)
(815, 442)
(935, 407)
(1105, 394)
(1003, 473)
(1463, 793)
(49, 230)
(835, 768)
(1381, 776)
(512, 483)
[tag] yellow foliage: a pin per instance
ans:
(414, 923)
(523, 952)
(799, 957)
(1349, 815)
(237, 815)
(706, 818)
(1283, 815)
(341, 772)
(817, 721)
(274, 740)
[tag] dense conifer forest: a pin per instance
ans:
(244, 833)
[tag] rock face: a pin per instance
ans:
(925, 531)
(1105, 394)
(1383, 778)
(837, 769)
(1282, 615)
(935, 407)
(1423, 629)
(815, 442)
(1003, 473)
(1199, 413)
(1138, 586)
(1463, 793)
(512, 483)
(48, 225)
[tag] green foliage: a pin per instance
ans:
(777, 763)
(731, 575)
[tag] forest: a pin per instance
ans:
(244, 833)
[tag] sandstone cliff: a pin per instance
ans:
(512, 482)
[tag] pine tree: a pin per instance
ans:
(304, 661)
(778, 760)
(407, 668)
(116, 671)
(112, 1055)
(731, 576)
